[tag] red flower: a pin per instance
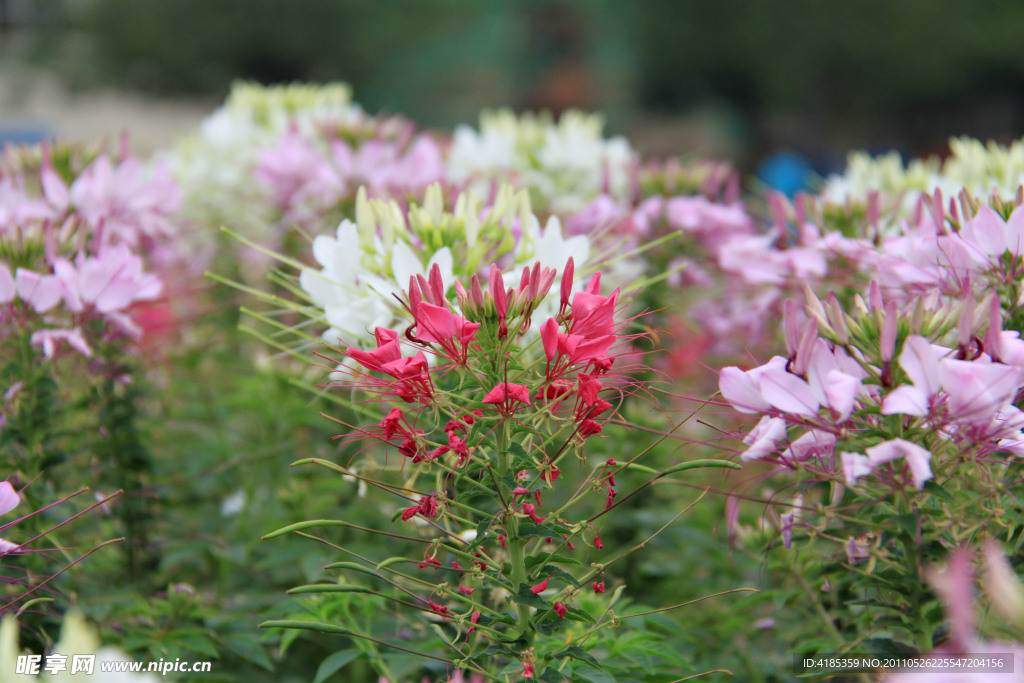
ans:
(588, 428)
(531, 512)
(560, 610)
(473, 619)
(507, 392)
(505, 395)
(540, 587)
(391, 423)
(453, 333)
(439, 609)
(550, 474)
(458, 445)
(588, 387)
(598, 586)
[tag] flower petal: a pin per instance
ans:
(8, 497)
(741, 390)
(788, 393)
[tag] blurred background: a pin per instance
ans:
(736, 79)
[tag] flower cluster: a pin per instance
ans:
(483, 428)
(972, 166)
(309, 149)
(885, 361)
(68, 272)
(384, 247)
(895, 406)
(565, 164)
(1005, 597)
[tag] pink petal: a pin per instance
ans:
(905, 400)
(919, 461)
(978, 390)
(1015, 232)
(813, 444)
(8, 497)
(42, 291)
(763, 438)
(917, 458)
(855, 466)
(741, 390)
(68, 276)
(988, 231)
(788, 393)
(7, 287)
(919, 362)
(840, 393)
(436, 323)
(549, 337)
(502, 392)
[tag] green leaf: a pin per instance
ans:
(589, 674)
(698, 464)
(328, 588)
(550, 675)
(579, 653)
(332, 664)
(250, 649)
(559, 574)
(525, 596)
(537, 560)
(577, 614)
(931, 487)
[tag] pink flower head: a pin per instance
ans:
(302, 182)
(109, 282)
(540, 587)
(128, 205)
(561, 610)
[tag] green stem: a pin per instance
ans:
(516, 545)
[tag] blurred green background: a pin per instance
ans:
(734, 78)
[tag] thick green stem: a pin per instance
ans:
(516, 545)
(517, 555)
